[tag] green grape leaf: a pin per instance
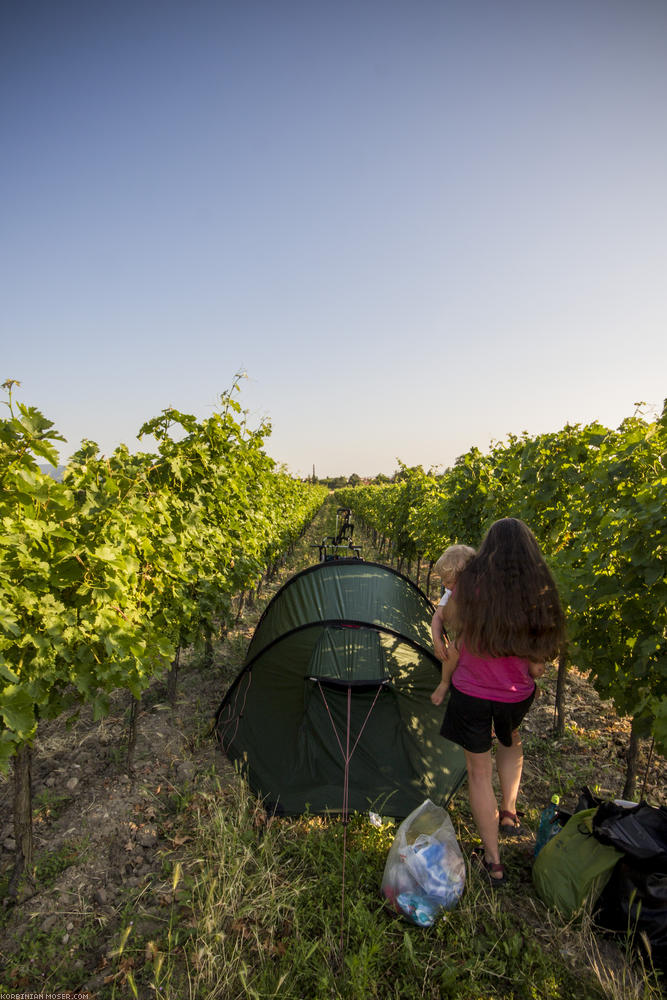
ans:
(17, 710)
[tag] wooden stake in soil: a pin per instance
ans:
(633, 762)
(428, 578)
(648, 764)
(132, 734)
(559, 707)
(22, 818)
(208, 650)
(172, 678)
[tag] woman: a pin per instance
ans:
(510, 621)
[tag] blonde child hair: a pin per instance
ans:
(453, 560)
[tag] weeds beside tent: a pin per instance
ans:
(331, 710)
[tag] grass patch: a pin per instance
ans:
(47, 868)
(52, 864)
(48, 806)
(258, 911)
(48, 957)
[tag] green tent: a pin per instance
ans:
(331, 711)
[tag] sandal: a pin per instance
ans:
(511, 829)
(494, 870)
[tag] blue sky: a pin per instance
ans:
(417, 226)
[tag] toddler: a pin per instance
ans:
(509, 620)
(448, 567)
(452, 561)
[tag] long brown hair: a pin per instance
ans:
(506, 598)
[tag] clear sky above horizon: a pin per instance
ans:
(417, 226)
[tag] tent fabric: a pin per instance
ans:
(347, 590)
(341, 667)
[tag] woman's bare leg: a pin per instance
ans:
(483, 802)
(509, 762)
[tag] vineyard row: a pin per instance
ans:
(595, 499)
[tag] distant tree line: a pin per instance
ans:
(338, 482)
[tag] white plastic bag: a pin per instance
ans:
(425, 871)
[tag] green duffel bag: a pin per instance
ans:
(573, 867)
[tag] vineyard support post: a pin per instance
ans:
(22, 817)
(633, 763)
(172, 678)
(208, 649)
(132, 733)
(561, 680)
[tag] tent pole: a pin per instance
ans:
(346, 789)
(347, 756)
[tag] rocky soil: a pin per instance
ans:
(100, 836)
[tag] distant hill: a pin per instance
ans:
(54, 473)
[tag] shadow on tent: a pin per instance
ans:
(331, 711)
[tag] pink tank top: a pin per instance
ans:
(499, 678)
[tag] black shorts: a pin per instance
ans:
(469, 721)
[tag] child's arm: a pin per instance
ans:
(536, 670)
(449, 665)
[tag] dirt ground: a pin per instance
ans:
(102, 837)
